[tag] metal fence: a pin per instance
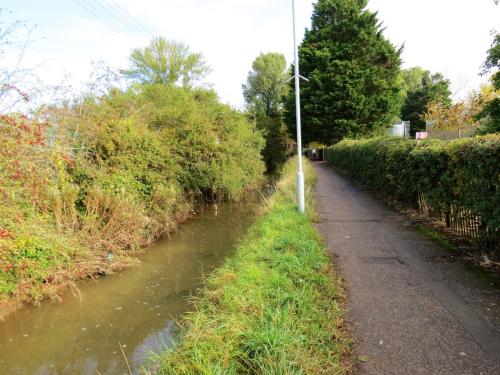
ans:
(459, 219)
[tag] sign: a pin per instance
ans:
(422, 135)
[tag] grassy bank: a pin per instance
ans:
(274, 308)
(86, 184)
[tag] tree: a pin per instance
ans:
(411, 80)
(420, 88)
(490, 115)
(18, 85)
(274, 152)
(266, 85)
(352, 71)
(166, 62)
(264, 94)
(457, 117)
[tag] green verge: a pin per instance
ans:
(276, 307)
(438, 238)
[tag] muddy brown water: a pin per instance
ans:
(137, 309)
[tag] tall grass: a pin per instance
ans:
(274, 308)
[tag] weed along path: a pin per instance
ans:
(410, 312)
(136, 308)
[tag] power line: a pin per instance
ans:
(123, 20)
(130, 18)
(127, 15)
(97, 15)
(110, 19)
(104, 6)
(106, 17)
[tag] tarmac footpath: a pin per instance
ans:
(410, 313)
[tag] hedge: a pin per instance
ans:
(462, 173)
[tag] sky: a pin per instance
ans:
(449, 36)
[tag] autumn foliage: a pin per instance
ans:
(110, 174)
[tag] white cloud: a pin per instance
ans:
(230, 34)
(451, 36)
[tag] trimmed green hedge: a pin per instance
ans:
(463, 172)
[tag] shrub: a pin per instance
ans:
(112, 173)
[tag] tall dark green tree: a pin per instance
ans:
(264, 94)
(352, 71)
(420, 88)
(274, 152)
(490, 115)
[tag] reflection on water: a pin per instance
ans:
(136, 308)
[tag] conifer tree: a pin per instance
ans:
(352, 71)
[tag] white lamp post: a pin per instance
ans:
(300, 174)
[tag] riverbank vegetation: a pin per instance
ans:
(87, 183)
(274, 308)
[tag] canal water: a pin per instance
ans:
(136, 309)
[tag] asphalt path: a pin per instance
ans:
(410, 313)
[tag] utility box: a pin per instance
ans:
(400, 130)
